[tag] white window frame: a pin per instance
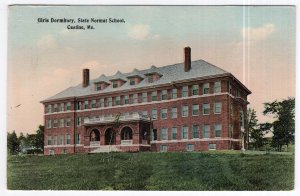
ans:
(164, 111)
(185, 91)
(218, 105)
(195, 107)
(184, 132)
(174, 112)
(185, 111)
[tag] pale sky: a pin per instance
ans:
(254, 43)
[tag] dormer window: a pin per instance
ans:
(132, 81)
(114, 84)
(150, 78)
(98, 87)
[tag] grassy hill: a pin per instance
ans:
(152, 171)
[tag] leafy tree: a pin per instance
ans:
(39, 138)
(256, 131)
(284, 124)
(12, 143)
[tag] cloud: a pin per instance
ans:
(259, 33)
(138, 31)
(47, 42)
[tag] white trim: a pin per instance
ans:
(133, 145)
(63, 146)
(195, 140)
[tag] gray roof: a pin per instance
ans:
(170, 73)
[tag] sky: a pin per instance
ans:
(255, 43)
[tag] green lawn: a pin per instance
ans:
(152, 171)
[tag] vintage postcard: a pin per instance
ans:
(168, 98)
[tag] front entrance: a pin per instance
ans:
(110, 137)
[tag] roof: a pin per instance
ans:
(169, 74)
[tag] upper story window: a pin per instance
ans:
(174, 93)
(68, 139)
(55, 123)
(173, 112)
(206, 131)
(135, 98)
(109, 100)
(195, 110)
(48, 124)
(195, 89)
(54, 140)
(61, 107)
(144, 97)
(217, 87)
(205, 88)
(132, 81)
(101, 102)
(195, 131)
(206, 108)
(61, 122)
(154, 114)
(185, 91)
(49, 138)
(117, 100)
(114, 84)
(68, 108)
(154, 96)
(218, 129)
(150, 78)
(55, 108)
(164, 95)
(218, 107)
(86, 105)
(185, 111)
(163, 113)
(164, 134)
(126, 99)
(174, 133)
(68, 122)
(49, 109)
(185, 132)
(93, 103)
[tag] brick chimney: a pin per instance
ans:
(85, 77)
(187, 59)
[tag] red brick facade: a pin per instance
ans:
(205, 119)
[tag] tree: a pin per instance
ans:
(256, 131)
(12, 143)
(39, 138)
(284, 124)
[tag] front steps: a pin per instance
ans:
(106, 148)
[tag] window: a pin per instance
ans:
(49, 138)
(48, 123)
(190, 147)
(61, 107)
(49, 109)
(185, 91)
(55, 108)
(54, 140)
(174, 133)
(77, 138)
(195, 89)
(185, 111)
(217, 87)
(98, 87)
(68, 122)
(163, 148)
(218, 129)
(173, 112)
(55, 123)
(51, 152)
(135, 98)
(117, 100)
(195, 110)
(164, 134)
(78, 106)
(61, 122)
(86, 105)
(154, 134)
(126, 114)
(212, 146)
(184, 133)
(126, 99)
(64, 151)
(93, 104)
(195, 131)
(101, 102)
(150, 78)
(144, 97)
(132, 81)
(60, 140)
(218, 107)
(174, 93)
(206, 108)
(206, 131)
(154, 96)
(78, 121)
(163, 113)
(154, 114)
(205, 88)
(68, 139)
(68, 108)
(145, 113)
(109, 101)
(164, 95)
(114, 84)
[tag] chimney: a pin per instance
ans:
(85, 77)
(187, 59)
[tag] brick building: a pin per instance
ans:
(190, 106)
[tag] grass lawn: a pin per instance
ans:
(152, 171)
